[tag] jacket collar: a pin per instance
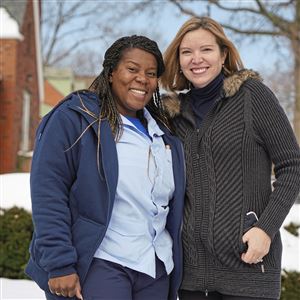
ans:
(88, 105)
(179, 105)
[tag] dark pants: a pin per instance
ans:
(197, 295)
(110, 281)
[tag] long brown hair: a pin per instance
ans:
(173, 79)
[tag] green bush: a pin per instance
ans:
(292, 228)
(15, 235)
(290, 285)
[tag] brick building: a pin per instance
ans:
(21, 82)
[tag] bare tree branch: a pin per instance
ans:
(72, 48)
(233, 9)
(251, 31)
(185, 11)
(274, 21)
(55, 32)
(65, 13)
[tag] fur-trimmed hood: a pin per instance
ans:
(231, 86)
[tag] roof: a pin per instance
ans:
(16, 9)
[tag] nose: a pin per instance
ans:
(197, 58)
(141, 78)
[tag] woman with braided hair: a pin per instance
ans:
(107, 186)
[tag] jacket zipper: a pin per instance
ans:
(203, 208)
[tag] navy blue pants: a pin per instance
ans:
(197, 295)
(110, 281)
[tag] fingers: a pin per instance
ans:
(66, 286)
(78, 293)
(250, 258)
(258, 245)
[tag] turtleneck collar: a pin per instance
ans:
(211, 91)
(202, 99)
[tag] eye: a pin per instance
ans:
(131, 69)
(152, 74)
(185, 52)
(207, 49)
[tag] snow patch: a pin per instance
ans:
(9, 28)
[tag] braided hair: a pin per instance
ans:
(101, 85)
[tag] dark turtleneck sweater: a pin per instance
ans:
(228, 172)
(202, 99)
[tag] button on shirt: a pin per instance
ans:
(136, 231)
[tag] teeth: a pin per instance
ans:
(138, 91)
(199, 71)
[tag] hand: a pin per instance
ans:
(258, 245)
(66, 286)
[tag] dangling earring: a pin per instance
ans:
(223, 69)
(180, 71)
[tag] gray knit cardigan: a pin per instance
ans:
(229, 164)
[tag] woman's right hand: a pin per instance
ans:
(66, 286)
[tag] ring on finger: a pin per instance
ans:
(58, 294)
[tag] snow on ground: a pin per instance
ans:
(14, 190)
(11, 289)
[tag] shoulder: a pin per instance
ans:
(76, 102)
(172, 103)
(69, 110)
(234, 83)
(80, 98)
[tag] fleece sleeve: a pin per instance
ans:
(52, 174)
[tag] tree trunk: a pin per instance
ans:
(296, 50)
(297, 94)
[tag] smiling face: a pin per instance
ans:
(200, 57)
(134, 81)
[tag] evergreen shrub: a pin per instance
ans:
(15, 235)
(290, 285)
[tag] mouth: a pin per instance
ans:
(138, 92)
(198, 71)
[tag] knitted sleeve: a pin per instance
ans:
(273, 131)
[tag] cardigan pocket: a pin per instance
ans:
(225, 241)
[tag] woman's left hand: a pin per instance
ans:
(258, 245)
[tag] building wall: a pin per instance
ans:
(9, 110)
(19, 74)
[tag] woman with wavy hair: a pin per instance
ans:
(233, 130)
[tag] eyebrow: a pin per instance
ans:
(137, 64)
(208, 45)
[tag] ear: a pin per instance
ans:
(224, 55)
